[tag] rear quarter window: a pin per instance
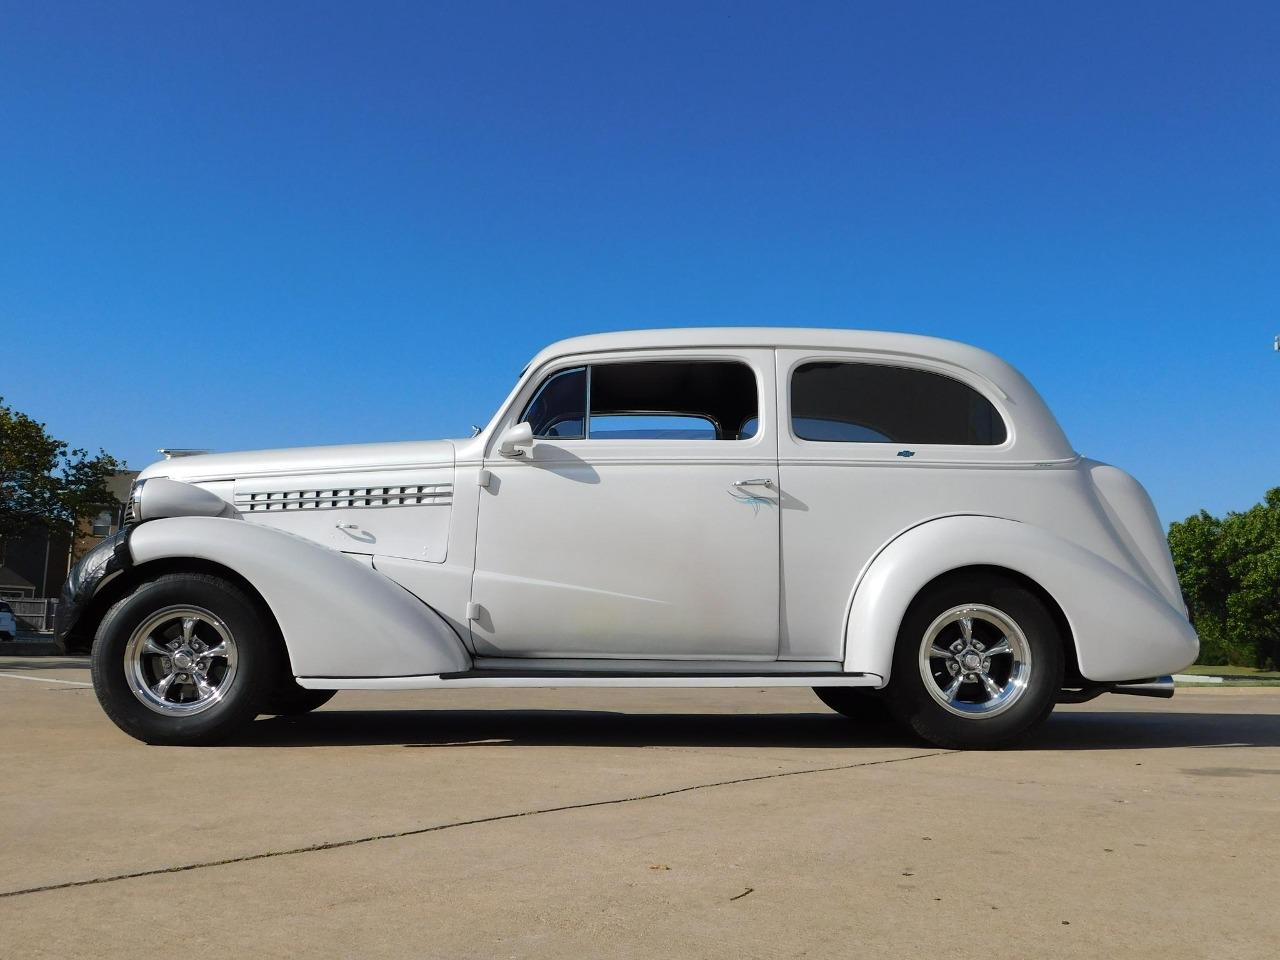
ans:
(850, 402)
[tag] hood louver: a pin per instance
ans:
(440, 494)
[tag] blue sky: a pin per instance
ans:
(260, 224)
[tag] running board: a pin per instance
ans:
(511, 678)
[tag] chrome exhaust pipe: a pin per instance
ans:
(1161, 687)
(1158, 687)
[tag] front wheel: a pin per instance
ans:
(185, 659)
(978, 663)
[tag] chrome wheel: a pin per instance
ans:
(975, 661)
(180, 661)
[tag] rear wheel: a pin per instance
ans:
(185, 659)
(978, 663)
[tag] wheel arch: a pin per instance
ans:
(337, 617)
(116, 588)
(1119, 628)
(1046, 599)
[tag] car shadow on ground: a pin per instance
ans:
(1076, 730)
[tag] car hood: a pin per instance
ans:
(208, 467)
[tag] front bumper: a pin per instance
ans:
(109, 557)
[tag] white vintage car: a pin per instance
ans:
(895, 521)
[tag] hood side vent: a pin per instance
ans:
(428, 494)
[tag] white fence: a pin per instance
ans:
(34, 616)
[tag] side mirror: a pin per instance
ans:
(513, 438)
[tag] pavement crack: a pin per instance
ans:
(436, 828)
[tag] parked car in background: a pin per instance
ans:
(895, 521)
(8, 622)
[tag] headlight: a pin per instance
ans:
(132, 510)
(159, 497)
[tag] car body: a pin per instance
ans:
(691, 507)
(8, 622)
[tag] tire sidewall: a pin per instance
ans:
(912, 702)
(257, 660)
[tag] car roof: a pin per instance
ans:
(884, 343)
(1036, 434)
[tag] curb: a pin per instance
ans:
(31, 648)
(1217, 680)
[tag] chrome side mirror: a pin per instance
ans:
(513, 438)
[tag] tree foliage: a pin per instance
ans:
(43, 480)
(1229, 568)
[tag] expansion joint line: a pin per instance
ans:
(436, 828)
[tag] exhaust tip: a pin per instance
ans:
(1161, 687)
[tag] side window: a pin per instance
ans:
(647, 400)
(672, 400)
(870, 403)
(557, 409)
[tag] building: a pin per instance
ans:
(35, 563)
(92, 530)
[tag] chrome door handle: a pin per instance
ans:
(347, 526)
(756, 482)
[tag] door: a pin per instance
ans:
(870, 445)
(642, 521)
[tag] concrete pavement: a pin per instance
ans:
(607, 823)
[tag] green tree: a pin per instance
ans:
(43, 480)
(1229, 568)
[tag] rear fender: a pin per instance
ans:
(1122, 628)
(338, 617)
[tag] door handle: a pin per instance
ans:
(756, 482)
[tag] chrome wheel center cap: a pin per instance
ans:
(956, 669)
(182, 660)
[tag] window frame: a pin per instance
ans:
(764, 371)
(790, 360)
(546, 382)
(111, 524)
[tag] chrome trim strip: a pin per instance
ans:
(477, 678)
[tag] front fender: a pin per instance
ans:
(1122, 628)
(339, 617)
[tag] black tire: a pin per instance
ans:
(1027, 707)
(290, 700)
(256, 658)
(861, 705)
